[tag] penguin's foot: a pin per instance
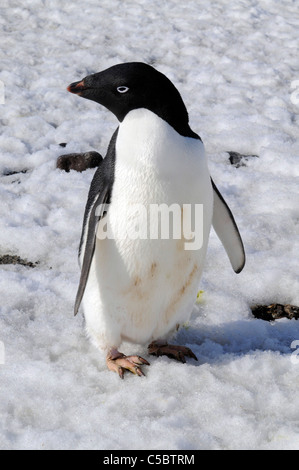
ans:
(162, 348)
(118, 362)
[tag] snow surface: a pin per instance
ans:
(235, 64)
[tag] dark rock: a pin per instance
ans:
(14, 259)
(238, 159)
(78, 161)
(275, 311)
(63, 144)
(13, 172)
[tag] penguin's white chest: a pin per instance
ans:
(148, 284)
(155, 164)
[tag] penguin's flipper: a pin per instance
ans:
(98, 197)
(226, 228)
(96, 212)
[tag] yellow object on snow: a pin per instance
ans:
(199, 298)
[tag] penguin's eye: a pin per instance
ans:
(122, 89)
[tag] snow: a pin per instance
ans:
(236, 66)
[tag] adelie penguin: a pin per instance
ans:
(139, 289)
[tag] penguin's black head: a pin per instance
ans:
(134, 85)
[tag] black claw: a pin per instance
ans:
(139, 371)
(144, 361)
(172, 351)
(121, 372)
(181, 357)
(193, 355)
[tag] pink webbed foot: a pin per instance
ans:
(162, 348)
(118, 362)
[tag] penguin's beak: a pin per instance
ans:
(77, 87)
(91, 88)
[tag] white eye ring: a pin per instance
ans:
(122, 89)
